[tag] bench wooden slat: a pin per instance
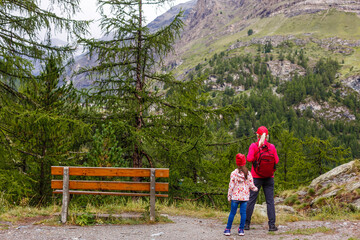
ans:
(111, 193)
(107, 185)
(111, 172)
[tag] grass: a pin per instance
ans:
(309, 231)
(89, 213)
(334, 210)
(22, 213)
(322, 24)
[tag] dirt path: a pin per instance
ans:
(182, 228)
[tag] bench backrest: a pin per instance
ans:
(105, 187)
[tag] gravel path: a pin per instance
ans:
(182, 228)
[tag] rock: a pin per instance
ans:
(326, 111)
(353, 186)
(284, 208)
(285, 69)
(328, 177)
(353, 82)
(261, 209)
(327, 195)
(278, 200)
(301, 193)
(357, 203)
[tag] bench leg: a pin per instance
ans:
(66, 196)
(152, 195)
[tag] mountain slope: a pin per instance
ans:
(214, 25)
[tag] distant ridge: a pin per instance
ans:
(166, 18)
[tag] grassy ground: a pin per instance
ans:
(88, 214)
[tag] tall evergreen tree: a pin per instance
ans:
(322, 156)
(291, 165)
(43, 132)
(23, 25)
(131, 89)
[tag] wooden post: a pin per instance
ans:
(66, 196)
(152, 194)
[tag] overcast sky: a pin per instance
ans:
(88, 12)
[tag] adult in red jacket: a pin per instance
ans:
(267, 183)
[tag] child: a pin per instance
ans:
(240, 182)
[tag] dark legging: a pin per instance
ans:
(268, 186)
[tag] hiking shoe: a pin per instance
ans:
(241, 232)
(247, 226)
(273, 228)
(227, 232)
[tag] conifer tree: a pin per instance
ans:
(25, 37)
(323, 156)
(292, 164)
(44, 132)
(157, 110)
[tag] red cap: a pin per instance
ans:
(262, 130)
(240, 159)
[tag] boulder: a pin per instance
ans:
(345, 171)
(261, 209)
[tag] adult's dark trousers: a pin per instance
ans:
(268, 185)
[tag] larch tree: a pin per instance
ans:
(44, 132)
(25, 37)
(322, 155)
(162, 115)
(29, 103)
(292, 163)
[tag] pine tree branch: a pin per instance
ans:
(148, 158)
(29, 153)
(16, 93)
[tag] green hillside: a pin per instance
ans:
(312, 109)
(322, 25)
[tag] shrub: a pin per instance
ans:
(320, 201)
(311, 191)
(291, 200)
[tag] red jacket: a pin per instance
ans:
(253, 150)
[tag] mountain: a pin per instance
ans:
(166, 18)
(213, 23)
(214, 26)
(81, 60)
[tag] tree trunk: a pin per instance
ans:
(139, 88)
(285, 171)
(42, 171)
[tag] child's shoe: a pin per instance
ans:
(241, 232)
(227, 232)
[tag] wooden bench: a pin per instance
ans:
(66, 186)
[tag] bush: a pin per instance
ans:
(291, 200)
(311, 191)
